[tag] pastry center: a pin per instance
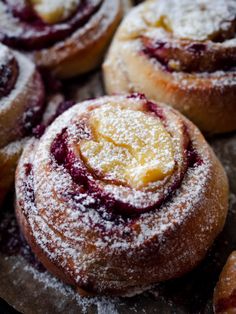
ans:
(128, 146)
(192, 19)
(55, 11)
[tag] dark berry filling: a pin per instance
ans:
(83, 177)
(150, 106)
(8, 76)
(155, 52)
(59, 148)
(186, 56)
(28, 169)
(140, 96)
(196, 48)
(33, 114)
(22, 9)
(194, 160)
(65, 105)
(39, 130)
(34, 100)
(28, 184)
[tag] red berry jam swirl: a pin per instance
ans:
(187, 36)
(8, 75)
(33, 114)
(187, 56)
(22, 28)
(118, 202)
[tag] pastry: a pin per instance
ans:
(65, 37)
(225, 291)
(21, 104)
(182, 53)
(120, 193)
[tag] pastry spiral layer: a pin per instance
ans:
(225, 291)
(120, 192)
(66, 38)
(182, 53)
(21, 104)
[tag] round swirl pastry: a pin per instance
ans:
(225, 292)
(21, 103)
(182, 53)
(66, 37)
(120, 193)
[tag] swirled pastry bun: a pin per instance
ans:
(66, 37)
(182, 53)
(120, 192)
(21, 104)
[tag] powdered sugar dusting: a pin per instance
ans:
(25, 72)
(74, 229)
(104, 305)
(5, 55)
(129, 146)
(183, 33)
(218, 79)
(197, 20)
(13, 148)
(23, 104)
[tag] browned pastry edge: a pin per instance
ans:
(212, 109)
(9, 157)
(225, 291)
(189, 229)
(84, 49)
(208, 99)
(20, 110)
(179, 250)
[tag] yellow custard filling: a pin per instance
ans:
(55, 11)
(128, 146)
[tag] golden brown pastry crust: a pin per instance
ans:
(204, 95)
(84, 49)
(104, 257)
(9, 156)
(225, 291)
(69, 47)
(20, 108)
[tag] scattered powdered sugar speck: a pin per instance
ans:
(104, 305)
